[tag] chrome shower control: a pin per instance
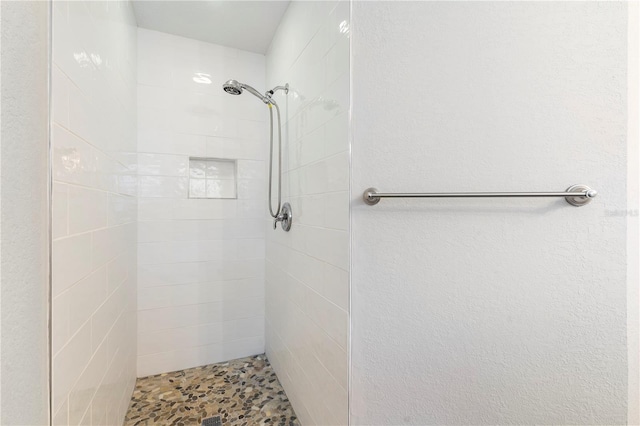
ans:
(285, 217)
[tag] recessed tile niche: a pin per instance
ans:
(212, 178)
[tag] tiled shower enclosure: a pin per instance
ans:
(164, 255)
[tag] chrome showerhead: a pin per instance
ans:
(232, 87)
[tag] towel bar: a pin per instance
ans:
(576, 195)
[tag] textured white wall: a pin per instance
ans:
(633, 217)
(94, 211)
(201, 261)
(307, 271)
(24, 173)
(489, 311)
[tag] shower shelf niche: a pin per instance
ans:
(212, 178)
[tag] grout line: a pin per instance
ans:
(198, 304)
(79, 185)
(225, 299)
(193, 347)
(201, 325)
(313, 290)
(200, 282)
(220, 342)
(103, 228)
(205, 261)
(303, 253)
(297, 361)
(77, 136)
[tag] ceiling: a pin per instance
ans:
(246, 25)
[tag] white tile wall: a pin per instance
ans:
(307, 269)
(201, 261)
(94, 211)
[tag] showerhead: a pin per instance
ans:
(232, 87)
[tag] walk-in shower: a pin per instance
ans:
(163, 261)
(282, 214)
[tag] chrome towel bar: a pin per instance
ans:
(576, 195)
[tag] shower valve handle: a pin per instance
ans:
(285, 217)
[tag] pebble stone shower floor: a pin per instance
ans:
(242, 392)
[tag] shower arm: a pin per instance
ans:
(269, 93)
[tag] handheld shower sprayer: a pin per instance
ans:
(234, 87)
(282, 213)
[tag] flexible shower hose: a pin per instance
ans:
(275, 215)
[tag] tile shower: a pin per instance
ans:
(164, 256)
(200, 260)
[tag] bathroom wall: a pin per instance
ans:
(200, 261)
(307, 269)
(94, 211)
(507, 311)
(633, 220)
(24, 266)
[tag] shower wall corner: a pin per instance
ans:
(307, 269)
